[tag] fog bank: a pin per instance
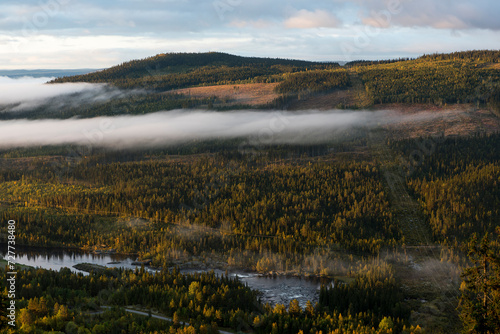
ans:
(180, 126)
(17, 94)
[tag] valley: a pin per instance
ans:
(264, 195)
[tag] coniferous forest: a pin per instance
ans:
(395, 246)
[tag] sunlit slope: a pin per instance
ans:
(179, 70)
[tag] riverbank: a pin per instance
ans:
(4, 263)
(274, 289)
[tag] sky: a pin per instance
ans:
(64, 34)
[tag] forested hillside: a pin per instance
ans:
(314, 81)
(162, 82)
(254, 206)
(178, 70)
(436, 82)
(297, 210)
(458, 186)
(460, 77)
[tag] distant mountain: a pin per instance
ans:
(44, 73)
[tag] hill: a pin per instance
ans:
(180, 70)
(460, 77)
(222, 81)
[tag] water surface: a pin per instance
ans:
(274, 290)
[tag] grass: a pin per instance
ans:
(255, 94)
(4, 263)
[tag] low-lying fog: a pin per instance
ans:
(18, 94)
(169, 127)
(178, 126)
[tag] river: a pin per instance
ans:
(274, 290)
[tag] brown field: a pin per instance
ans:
(244, 94)
(427, 119)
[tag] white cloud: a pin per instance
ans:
(445, 14)
(304, 19)
(102, 33)
(104, 51)
(258, 24)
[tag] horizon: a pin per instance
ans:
(341, 62)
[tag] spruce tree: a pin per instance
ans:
(480, 300)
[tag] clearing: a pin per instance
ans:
(255, 94)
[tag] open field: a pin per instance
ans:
(254, 94)
(452, 120)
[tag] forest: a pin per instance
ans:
(429, 82)
(178, 70)
(415, 255)
(321, 213)
(458, 187)
(314, 81)
(254, 205)
(70, 303)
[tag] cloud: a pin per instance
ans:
(184, 126)
(457, 14)
(258, 24)
(27, 92)
(102, 33)
(304, 19)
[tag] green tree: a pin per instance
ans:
(309, 308)
(63, 312)
(386, 324)
(480, 300)
(71, 328)
(194, 287)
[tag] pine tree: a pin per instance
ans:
(480, 300)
